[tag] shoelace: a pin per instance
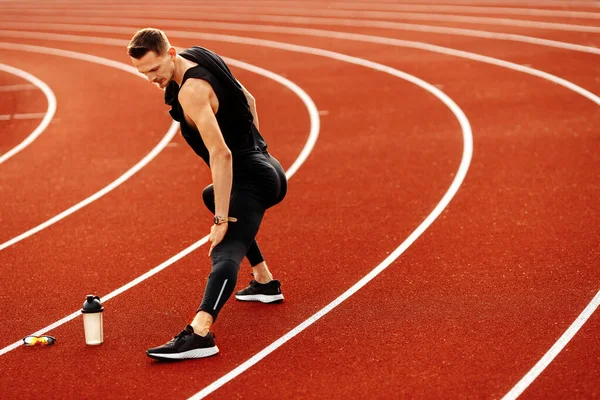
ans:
(253, 281)
(180, 336)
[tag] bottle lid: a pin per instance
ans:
(92, 304)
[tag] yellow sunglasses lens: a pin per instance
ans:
(44, 340)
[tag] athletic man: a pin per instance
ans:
(219, 121)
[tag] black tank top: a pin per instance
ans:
(233, 116)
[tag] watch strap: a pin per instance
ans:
(221, 220)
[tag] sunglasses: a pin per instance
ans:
(44, 340)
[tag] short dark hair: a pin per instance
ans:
(145, 40)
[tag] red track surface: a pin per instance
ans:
(465, 312)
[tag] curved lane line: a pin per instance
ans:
(556, 348)
(50, 111)
(489, 10)
(297, 20)
(404, 16)
(143, 162)
(356, 6)
(306, 150)
(17, 88)
(525, 3)
(340, 13)
(393, 42)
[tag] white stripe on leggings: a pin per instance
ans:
(220, 293)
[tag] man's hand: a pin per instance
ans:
(217, 233)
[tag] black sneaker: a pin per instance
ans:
(185, 345)
(263, 292)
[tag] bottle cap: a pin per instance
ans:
(92, 304)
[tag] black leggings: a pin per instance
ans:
(259, 183)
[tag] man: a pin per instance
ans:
(219, 121)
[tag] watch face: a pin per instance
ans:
(217, 220)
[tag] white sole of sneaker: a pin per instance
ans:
(196, 353)
(263, 298)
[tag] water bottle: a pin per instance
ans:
(92, 320)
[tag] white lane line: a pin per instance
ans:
(356, 6)
(486, 10)
(337, 13)
(286, 29)
(536, 3)
(155, 151)
(457, 3)
(29, 116)
(528, 3)
(556, 348)
(315, 127)
(46, 117)
(533, 3)
(17, 88)
(7, 117)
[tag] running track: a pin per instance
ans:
(496, 268)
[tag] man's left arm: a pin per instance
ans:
(200, 103)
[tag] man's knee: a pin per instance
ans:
(229, 250)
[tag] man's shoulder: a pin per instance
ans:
(196, 86)
(196, 90)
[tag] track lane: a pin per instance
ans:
(45, 117)
(237, 23)
(561, 379)
(119, 251)
(220, 12)
(73, 152)
(335, 173)
(13, 130)
(580, 67)
(427, 8)
(18, 97)
(555, 350)
(552, 5)
(321, 34)
(569, 129)
(490, 286)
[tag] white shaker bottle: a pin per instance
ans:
(92, 320)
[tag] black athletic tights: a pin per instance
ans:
(259, 182)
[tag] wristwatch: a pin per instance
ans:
(221, 220)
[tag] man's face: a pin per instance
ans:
(158, 68)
